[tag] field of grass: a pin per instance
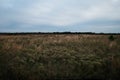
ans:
(59, 56)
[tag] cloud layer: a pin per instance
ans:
(60, 15)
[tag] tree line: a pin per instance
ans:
(26, 33)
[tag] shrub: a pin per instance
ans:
(111, 38)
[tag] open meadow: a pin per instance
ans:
(59, 56)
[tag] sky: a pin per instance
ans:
(60, 15)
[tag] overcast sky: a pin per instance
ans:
(59, 15)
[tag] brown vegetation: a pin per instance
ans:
(59, 56)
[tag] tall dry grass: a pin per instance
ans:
(35, 57)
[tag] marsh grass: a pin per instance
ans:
(35, 57)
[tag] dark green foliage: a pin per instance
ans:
(111, 38)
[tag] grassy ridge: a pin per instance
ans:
(66, 56)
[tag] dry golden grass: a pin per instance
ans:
(64, 56)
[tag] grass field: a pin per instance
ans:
(59, 56)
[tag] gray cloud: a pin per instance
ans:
(59, 13)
